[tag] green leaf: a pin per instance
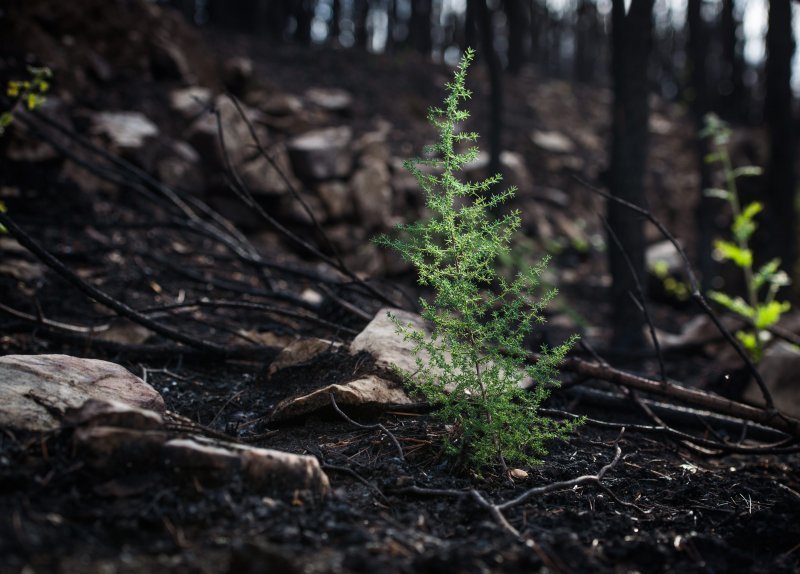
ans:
(743, 225)
(769, 314)
(728, 251)
(737, 305)
(747, 171)
(718, 193)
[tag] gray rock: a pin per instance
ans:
(337, 198)
(780, 369)
(554, 142)
(203, 135)
(381, 339)
(372, 194)
(371, 391)
(36, 390)
(322, 154)
(190, 102)
(331, 99)
(125, 130)
(263, 178)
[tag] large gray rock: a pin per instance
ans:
(331, 99)
(190, 102)
(372, 192)
(263, 177)
(388, 347)
(322, 154)
(204, 137)
(37, 390)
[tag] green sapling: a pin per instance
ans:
(760, 307)
(472, 367)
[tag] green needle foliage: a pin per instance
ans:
(471, 367)
(762, 284)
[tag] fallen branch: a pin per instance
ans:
(496, 510)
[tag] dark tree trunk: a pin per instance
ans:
(517, 27)
(420, 27)
(734, 96)
(360, 17)
(780, 215)
(586, 41)
(303, 12)
(470, 25)
(391, 23)
(336, 17)
(697, 92)
(484, 14)
(538, 28)
(631, 44)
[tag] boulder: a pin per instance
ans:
(388, 347)
(337, 198)
(322, 154)
(179, 167)
(372, 195)
(204, 137)
(263, 178)
(37, 390)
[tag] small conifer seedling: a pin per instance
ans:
(472, 365)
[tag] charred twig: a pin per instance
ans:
(41, 320)
(690, 396)
(640, 302)
(101, 296)
(697, 294)
(496, 510)
(363, 426)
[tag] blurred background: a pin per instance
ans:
(568, 95)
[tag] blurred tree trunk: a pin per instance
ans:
(780, 215)
(361, 13)
(587, 38)
(391, 22)
(336, 17)
(484, 16)
(697, 92)
(517, 20)
(631, 42)
(470, 26)
(303, 12)
(734, 97)
(538, 29)
(419, 33)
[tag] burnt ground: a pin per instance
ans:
(692, 513)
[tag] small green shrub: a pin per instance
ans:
(476, 359)
(761, 285)
(28, 93)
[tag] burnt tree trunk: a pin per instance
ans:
(517, 20)
(303, 12)
(361, 9)
(485, 24)
(697, 93)
(733, 93)
(780, 215)
(419, 33)
(631, 40)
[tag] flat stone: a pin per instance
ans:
(322, 154)
(299, 352)
(554, 142)
(388, 347)
(371, 391)
(331, 99)
(37, 390)
(125, 130)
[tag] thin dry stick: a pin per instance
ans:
(697, 295)
(101, 296)
(640, 302)
(41, 320)
(496, 510)
(363, 426)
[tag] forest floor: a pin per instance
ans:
(663, 507)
